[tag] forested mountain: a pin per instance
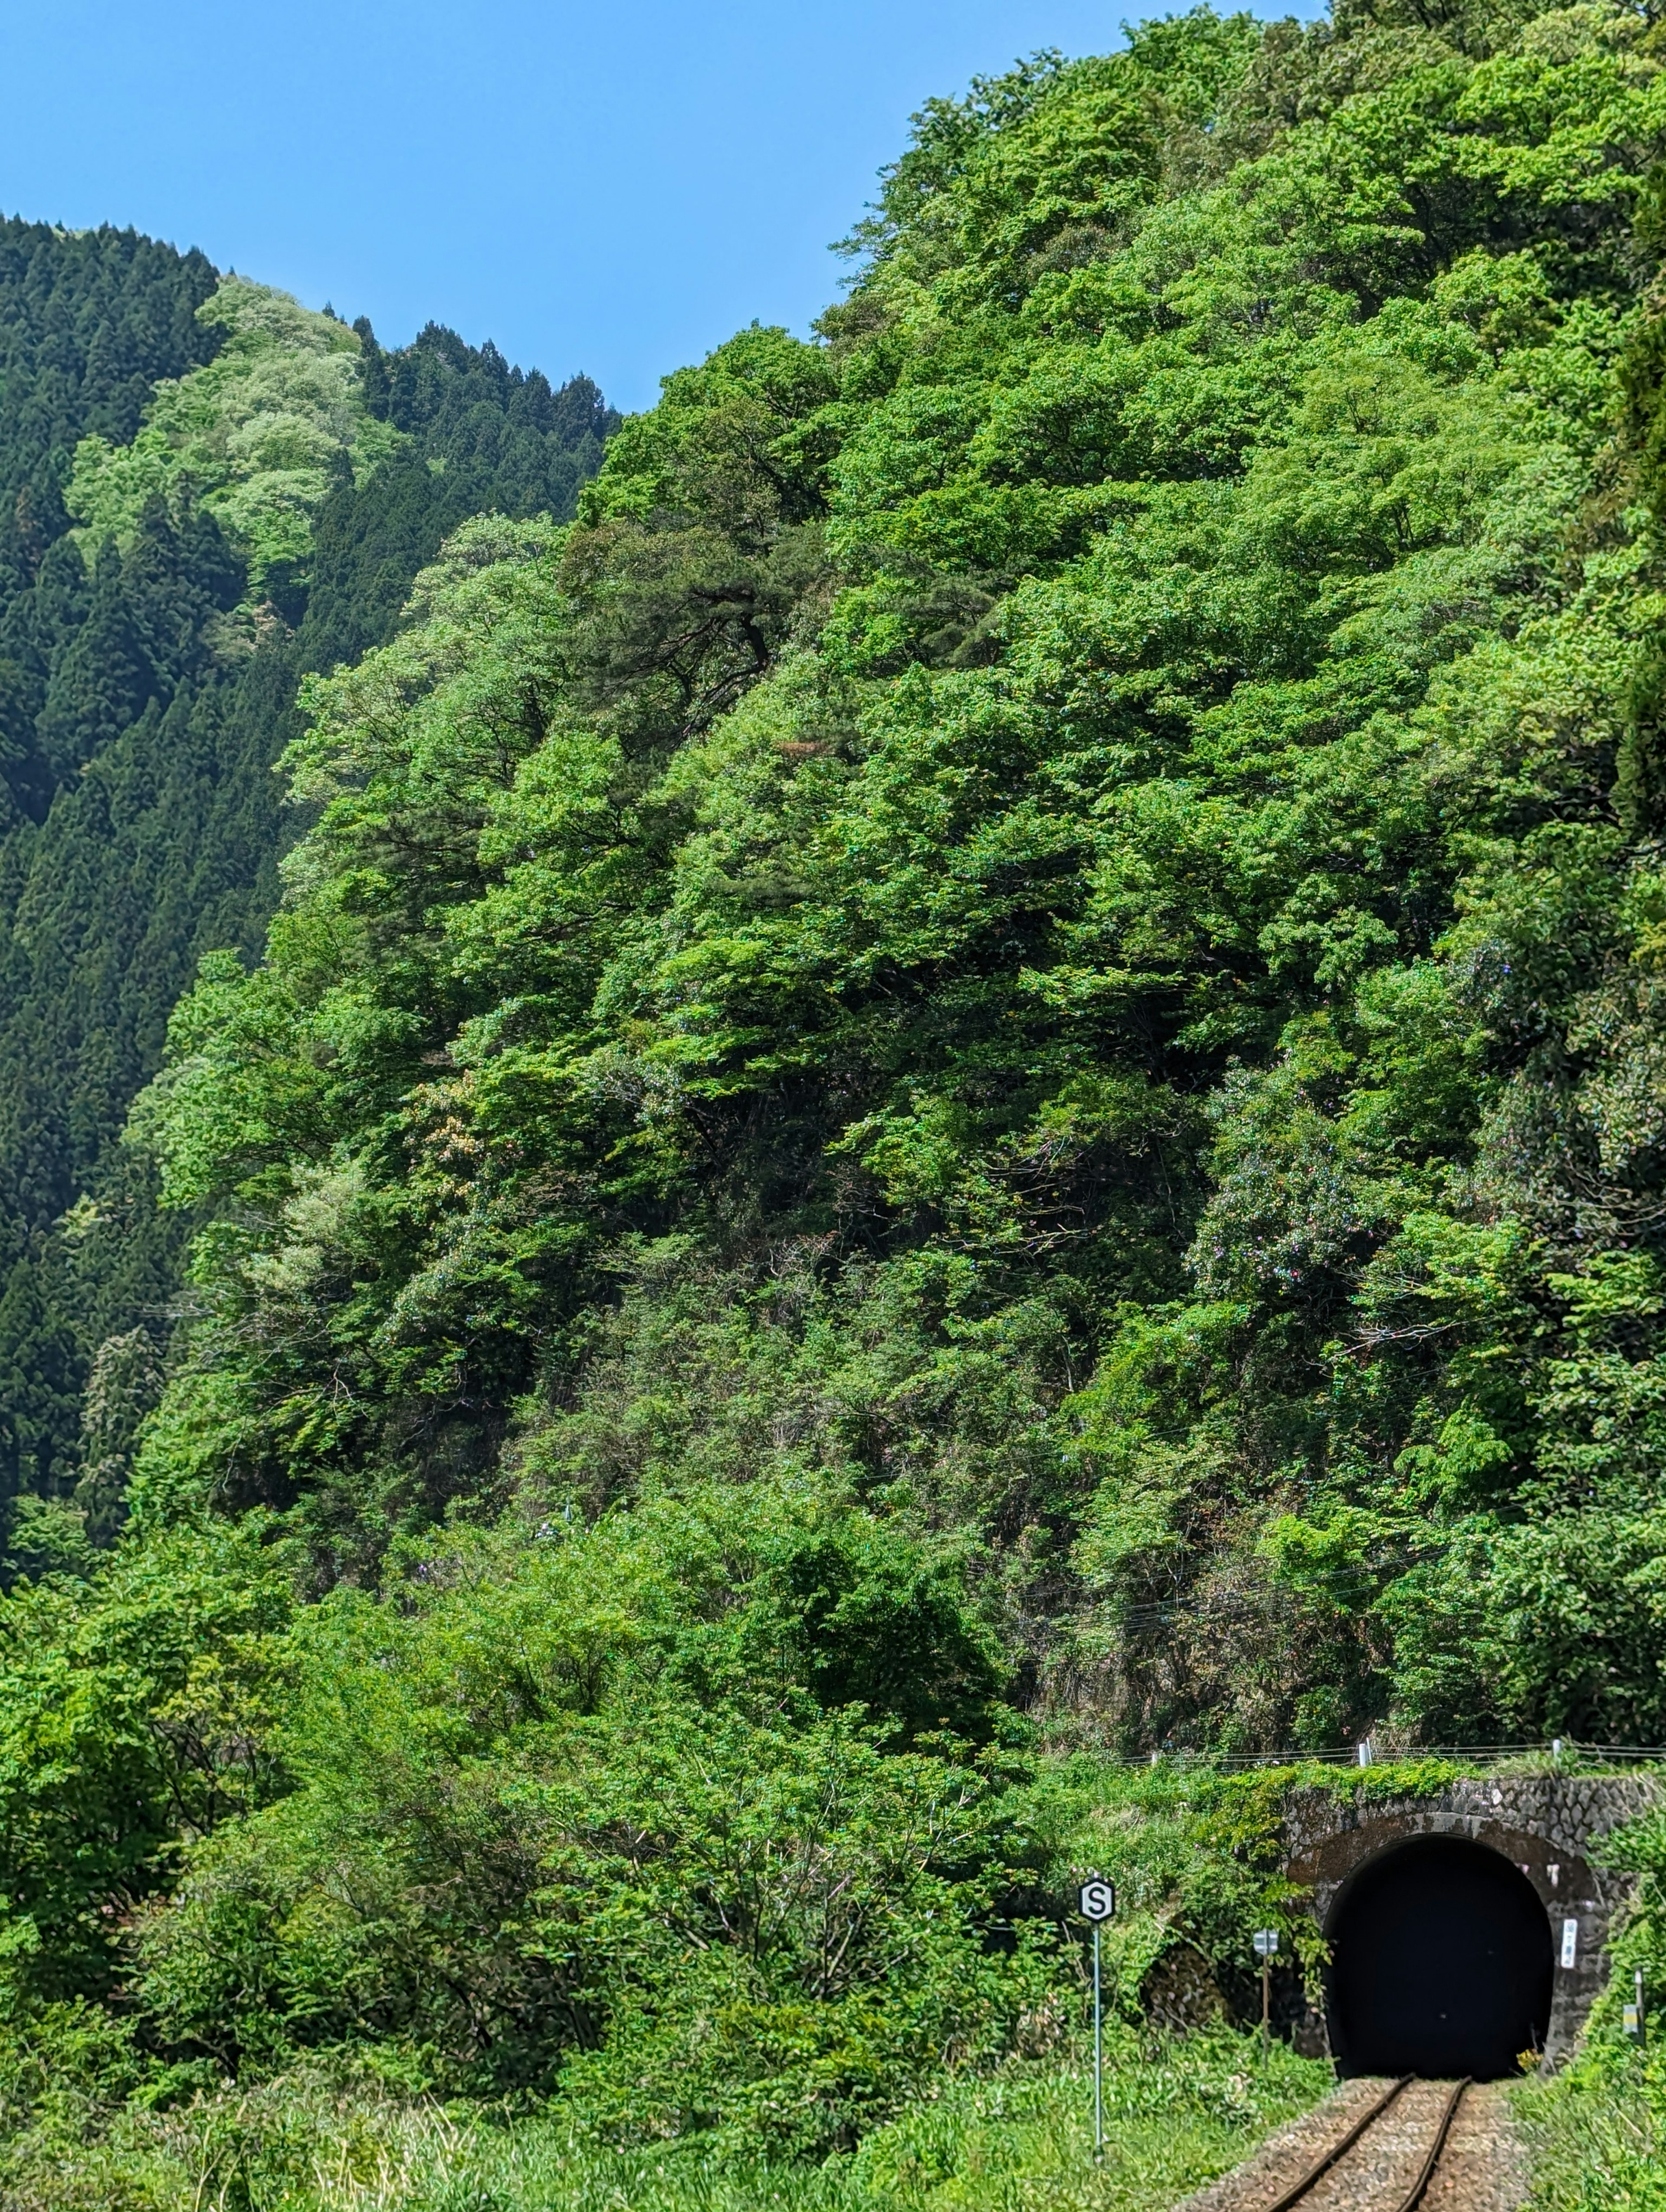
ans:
(1041, 917)
(974, 1078)
(210, 493)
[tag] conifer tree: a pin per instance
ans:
(143, 700)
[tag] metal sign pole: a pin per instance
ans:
(1266, 1945)
(1098, 1902)
(1098, 2061)
(1265, 2007)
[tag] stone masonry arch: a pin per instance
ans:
(1545, 1826)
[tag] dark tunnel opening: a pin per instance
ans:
(1441, 1964)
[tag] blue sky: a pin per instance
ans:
(614, 189)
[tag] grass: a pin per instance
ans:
(1176, 2114)
(1596, 2132)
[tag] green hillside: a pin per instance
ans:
(968, 1084)
(211, 491)
(1042, 919)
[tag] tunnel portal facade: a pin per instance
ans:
(1479, 1902)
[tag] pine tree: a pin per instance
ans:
(41, 1372)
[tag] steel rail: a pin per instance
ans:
(1415, 2195)
(1323, 2164)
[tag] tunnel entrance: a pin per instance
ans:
(1441, 1964)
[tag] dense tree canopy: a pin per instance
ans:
(969, 1056)
(1065, 870)
(214, 492)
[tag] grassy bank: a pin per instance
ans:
(1596, 2132)
(1177, 2113)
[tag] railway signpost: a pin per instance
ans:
(1266, 1948)
(1098, 1902)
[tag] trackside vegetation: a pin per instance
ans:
(953, 1071)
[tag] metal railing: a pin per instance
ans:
(1563, 1755)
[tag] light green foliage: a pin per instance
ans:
(1177, 2115)
(128, 1715)
(1175, 2118)
(1596, 2129)
(257, 437)
(705, 1821)
(654, 1778)
(1594, 2134)
(1072, 813)
(994, 1039)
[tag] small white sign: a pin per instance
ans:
(1570, 1941)
(1266, 1942)
(1098, 1898)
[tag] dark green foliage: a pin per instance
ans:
(39, 1383)
(89, 322)
(140, 724)
(139, 727)
(484, 436)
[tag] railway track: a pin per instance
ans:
(1347, 2174)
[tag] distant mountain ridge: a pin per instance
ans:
(206, 492)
